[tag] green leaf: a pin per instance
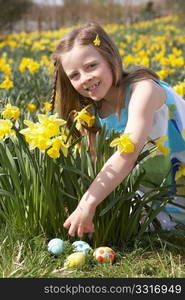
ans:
(6, 193)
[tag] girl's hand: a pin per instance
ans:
(80, 221)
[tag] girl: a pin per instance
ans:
(89, 70)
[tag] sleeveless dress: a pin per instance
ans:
(169, 122)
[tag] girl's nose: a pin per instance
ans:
(85, 78)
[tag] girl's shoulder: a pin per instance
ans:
(149, 88)
(147, 84)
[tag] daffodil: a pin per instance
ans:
(84, 117)
(6, 129)
(53, 152)
(177, 62)
(165, 72)
(6, 68)
(128, 59)
(36, 136)
(30, 64)
(180, 88)
(31, 107)
(57, 144)
(51, 124)
(123, 143)
(39, 141)
(45, 61)
(11, 112)
(97, 41)
(6, 84)
(161, 148)
(46, 107)
(23, 64)
(47, 135)
(180, 173)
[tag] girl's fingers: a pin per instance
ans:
(66, 224)
(72, 230)
(80, 231)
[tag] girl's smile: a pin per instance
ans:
(89, 73)
(93, 87)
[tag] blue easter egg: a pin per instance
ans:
(55, 246)
(81, 246)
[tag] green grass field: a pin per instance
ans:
(155, 257)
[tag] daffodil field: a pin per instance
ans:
(43, 171)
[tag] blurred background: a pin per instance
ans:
(38, 15)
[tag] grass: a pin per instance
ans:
(155, 256)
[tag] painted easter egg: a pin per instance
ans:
(104, 254)
(81, 246)
(56, 246)
(75, 259)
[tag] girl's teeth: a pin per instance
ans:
(93, 86)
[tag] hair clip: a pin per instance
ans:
(97, 40)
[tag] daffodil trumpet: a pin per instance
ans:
(123, 143)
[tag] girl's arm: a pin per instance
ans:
(145, 100)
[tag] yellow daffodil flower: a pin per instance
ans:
(31, 107)
(53, 152)
(11, 112)
(6, 129)
(84, 116)
(36, 136)
(57, 145)
(51, 123)
(33, 67)
(6, 68)
(30, 64)
(97, 41)
(180, 88)
(164, 150)
(39, 141)
(180, 173)
(6, 84)
(123, 143)
(47, 134)
(47, 107)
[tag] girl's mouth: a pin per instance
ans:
(93, 87)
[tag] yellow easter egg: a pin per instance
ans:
(75, 259)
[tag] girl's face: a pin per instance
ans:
(88, 72)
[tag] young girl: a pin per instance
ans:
(88, 69)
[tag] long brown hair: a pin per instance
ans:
(69, 98)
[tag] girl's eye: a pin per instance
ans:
(92, 65)
(73, 76)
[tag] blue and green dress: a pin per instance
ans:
(169, 122)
